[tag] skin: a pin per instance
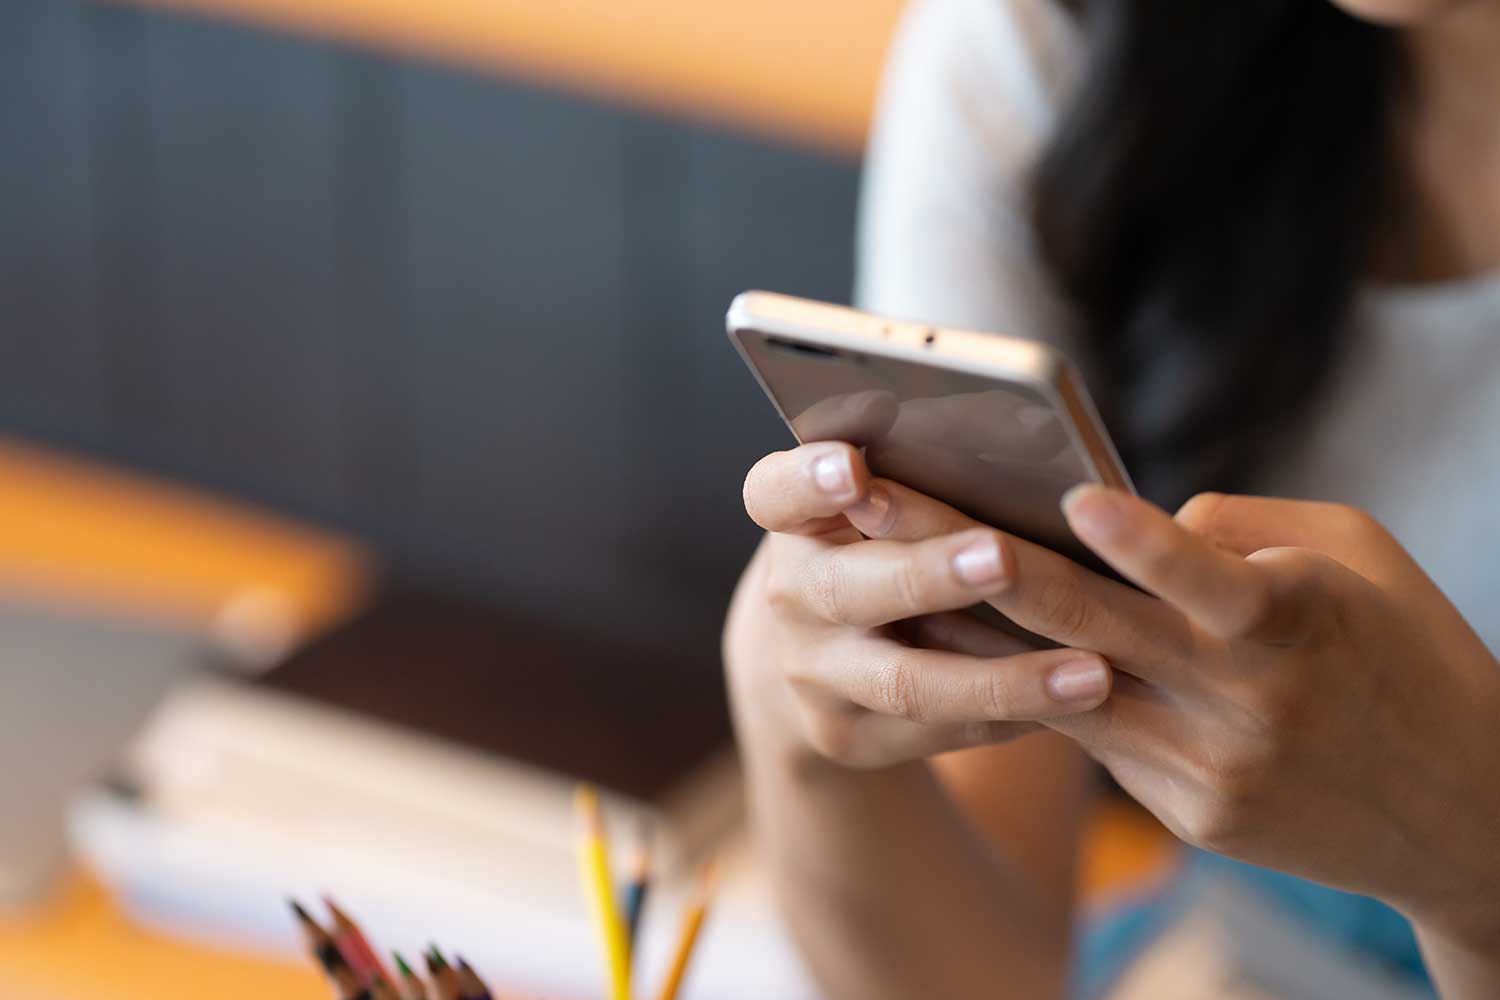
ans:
(1445, 224)
(1293, 691)
(1277, 637)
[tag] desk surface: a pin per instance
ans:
(81, 947)
(804, 70)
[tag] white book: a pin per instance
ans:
(247, 796)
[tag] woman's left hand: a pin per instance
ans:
(1300, 695)
(1330, 713)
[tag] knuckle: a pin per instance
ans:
(1280, 709)
(894, 692)
(1233, 789)
(996, 695)
(1295, 598)
(824, 589)
(832, 735)
(1297, 572)
(1255, 611)
(778, 592)
(1208, 823)
(1201, 512)
(909, 585)
(1060, 604)
(1360, 523)
(1304, 587)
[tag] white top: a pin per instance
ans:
(1406, 428)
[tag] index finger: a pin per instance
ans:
(1217, 589)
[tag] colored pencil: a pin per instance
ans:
(346, 982)
(382, 988)
(692, 924)
(639, 885)
(598, 886)
(470, 986)
(411, 985)
(355, 946)
(444, 976)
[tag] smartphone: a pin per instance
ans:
(997, 426)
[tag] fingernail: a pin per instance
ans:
(980, 564)
(1094, 512)
(1079, 681)
(834, 476)
(872, 515)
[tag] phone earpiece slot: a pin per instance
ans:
(794, 346)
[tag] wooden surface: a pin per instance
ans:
(79, 946)
(804, 70)
(86, 535)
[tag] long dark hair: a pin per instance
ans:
(1207, 203)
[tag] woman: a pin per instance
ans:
(1270, 233)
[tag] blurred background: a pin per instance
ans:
(370, 456)
(364, 400)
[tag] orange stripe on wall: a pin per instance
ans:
(804, 70)
(83, 533)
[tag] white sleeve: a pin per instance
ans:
(970, 94)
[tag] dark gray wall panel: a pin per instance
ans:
(478, 323)
(243, 359)
(514, 347)
(49, 341)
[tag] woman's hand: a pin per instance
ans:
(825, 636)
(1325, 710)
(839, 692)
(1297, 693)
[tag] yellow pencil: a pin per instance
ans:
(691, 925)
(593, 866)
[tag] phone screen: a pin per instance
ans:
(999, 451)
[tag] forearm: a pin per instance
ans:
(891, 892)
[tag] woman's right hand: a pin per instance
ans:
(843, 647)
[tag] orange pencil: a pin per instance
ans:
(692, 925)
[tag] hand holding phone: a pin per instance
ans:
(998, 427)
